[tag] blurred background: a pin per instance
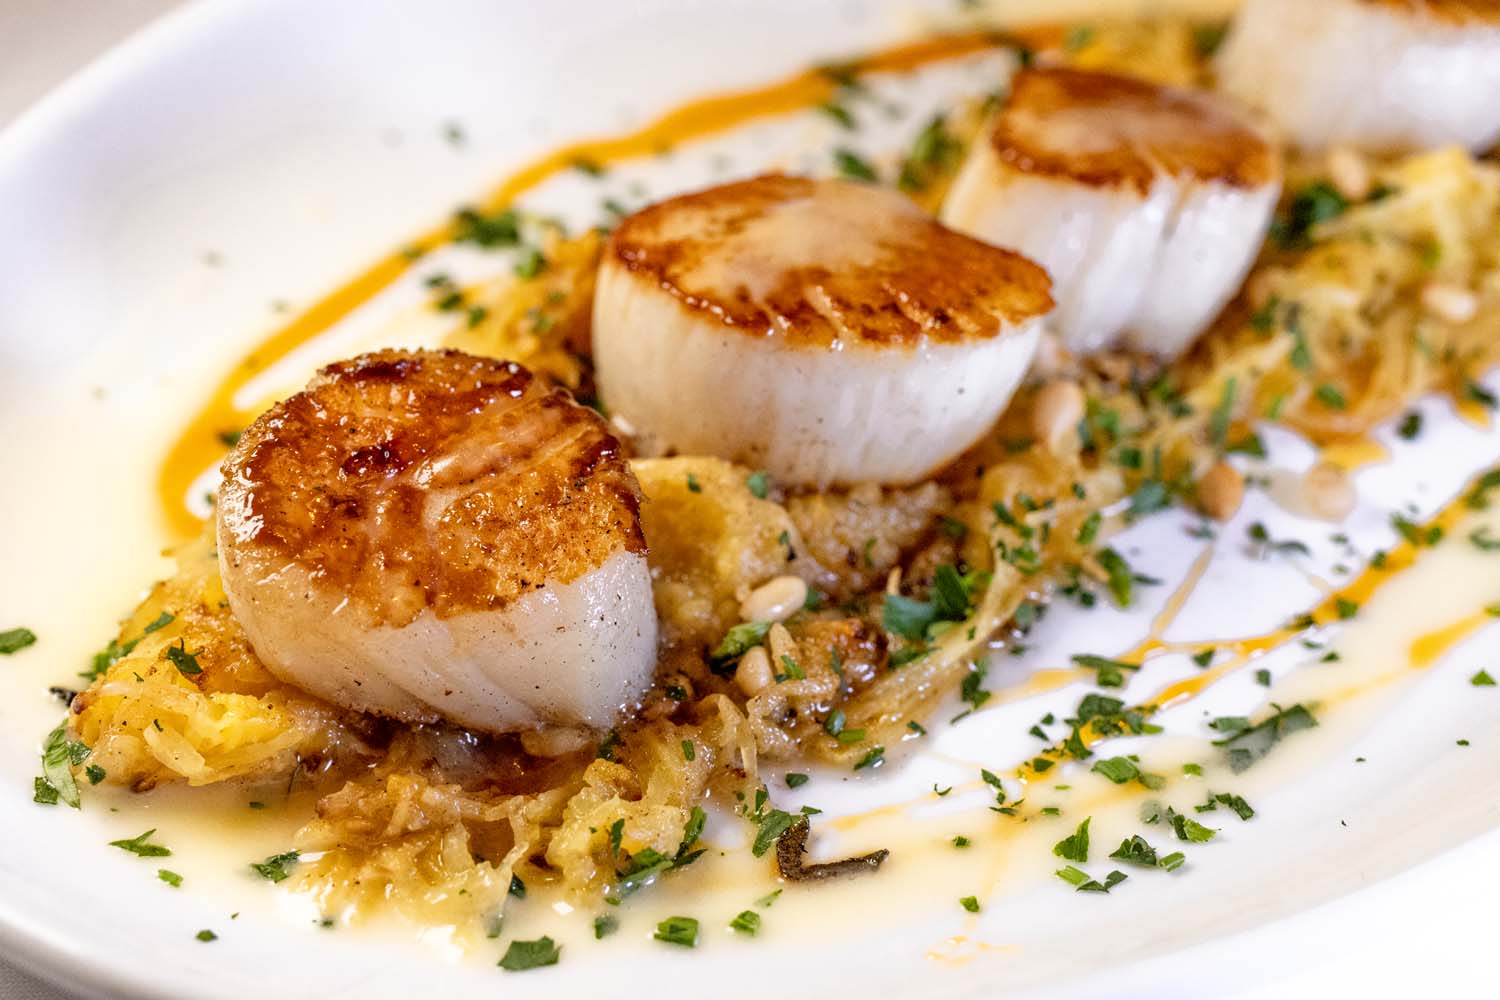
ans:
(42, 42)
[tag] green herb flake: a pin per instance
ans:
(679, 931)
(759, 484)
(873, 758)
(523, 955)
(185, 662)
(206, 935)
(746, 922)
(1111, 673)
(796, 780)
(1074, 847)
(1482, 679)
(852, 166)
(16, 639)
(970, 903)
(736, 642)
(170, 877)
(141, 847)
(276, 868)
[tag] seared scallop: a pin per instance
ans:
(1382, 75)
(432, 535)
(825, 331)
(1146, 204)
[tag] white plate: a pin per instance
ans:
(243, 153)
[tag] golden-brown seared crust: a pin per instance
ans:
(815, 263)
(1455, 11)
(1111, 131)
(413, 480)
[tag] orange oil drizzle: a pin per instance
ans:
(199, 447)
(1243, 650)
(1428, 649)
(1351, 453)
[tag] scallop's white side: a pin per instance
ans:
(574, 654)
(1094, 242)
(1342, 72)
(1157, 266)
(808, 415)
(1210, 242)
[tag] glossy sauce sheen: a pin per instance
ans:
(818, 263)
(1106, 130)
(439, 481)
(1456, 11)
(198, 447)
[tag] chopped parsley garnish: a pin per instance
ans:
(1416, 534)
(206, 935)
(1316, 203)
(1111, 673)
(1476, 393)
(170, 877)
(933, 150)
(604, 926)
(961, 841)
(1483, 540)
(1263, 544)
(1190, 829)
(1075, 846)
(874, 758)
(16, 639)
(971, 690)
(277, 867)
(523, 955)
(1411, 426)
(795, 780)
(644, 866)
(185, 662)
(772, 825)
(852, 166)
(608, 746)
(736, 643)
(906, 617)
(678, 930)
(1117, 769)
(1121, 579)
(59, 756)
(970, 903)
(688, 753)
(1137, 851)
(1081, 882)
(839, 114)
(503, 229)
(1330, 396)
(1482, 679)
(141, 846)
(530, 264)
(746, 922)
(759, 484)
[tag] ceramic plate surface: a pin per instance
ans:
(169, 206)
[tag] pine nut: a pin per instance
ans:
(1221, 491)
(1452, 303)
(753, 674)
(1055, 413)
(775, 601)
(554, 742)
(1350, 173)
(1328, 492)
